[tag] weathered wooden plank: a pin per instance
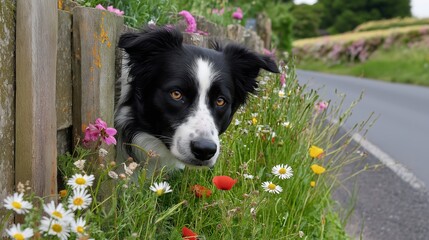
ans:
(7, 99)
(64, 71)
(95, 37)
(36, 55)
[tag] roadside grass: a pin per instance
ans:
(272, 129)
(398, 64)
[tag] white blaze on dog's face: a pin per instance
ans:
(196, 140)
(179, 98)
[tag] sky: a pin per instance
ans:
(419, 8)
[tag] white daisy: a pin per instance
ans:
(58, 212)
(54, 227)
(283, 171)
(80, 199)
(161, 188)
(271, 187)
(17, 203)
(248, 176)
(80, 181)
(78, 226)
(18, 234)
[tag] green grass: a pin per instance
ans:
(398, 64)
(132, 211)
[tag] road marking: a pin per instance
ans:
(399, 169)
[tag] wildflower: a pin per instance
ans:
(80, 181)
(271, 187)
(102, 152)
(282, 171)
(188, 234)
(54, 227)
(80, 164)
(301, 234)
(224, 182)
(17, 203)
(132, 166)
(312, 183)
(115, 10)
(113, 175)
(190, 21)
(320, 106)
(238, 14)
(18, 234)
(78, 226)
(127, 170)
(316, 152)
(20, 187)
(218, 11)
(201, 191)
(283, 80)
(161, 188)
(106, 133)
(58, 212)
(63, 193)
(237, 122)
(317, 169)
(248, 176)
(254, 121)
(286, 124)
(110, 9)
(80, 199)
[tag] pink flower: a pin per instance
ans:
(115, 10)
(190, 21)
(238, 14)
(110, 9)
(99, 129)
(99, 6)
(283, 79)
(321, 106)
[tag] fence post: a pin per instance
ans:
(95, 37)
(7, 100)
(36, 56)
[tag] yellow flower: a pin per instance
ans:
(63, 193)
(312, 183)
(316, 152)
(317, 169)
(254, 121)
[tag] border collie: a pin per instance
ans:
(176, 99)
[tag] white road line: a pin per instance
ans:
(400, 170)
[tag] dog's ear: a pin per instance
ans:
(245, 66)
(150, 42)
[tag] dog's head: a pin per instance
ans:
(184, 95)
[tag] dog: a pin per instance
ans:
(176, 99)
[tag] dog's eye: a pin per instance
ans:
(220, 102)
(176, 95)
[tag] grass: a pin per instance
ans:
(398, 64)
(353, 36)
(131, 211)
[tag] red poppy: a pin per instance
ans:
(188, 234)
(224, 182)
(201, 191)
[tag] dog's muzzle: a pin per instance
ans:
(203, 149)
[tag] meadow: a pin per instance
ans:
(285, 126)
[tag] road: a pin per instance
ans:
(393, 202)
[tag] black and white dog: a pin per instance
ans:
(176, 99)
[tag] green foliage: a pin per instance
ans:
(139, 12)
(385, 64)
(342, 15)
(306, 20)
(282, 22)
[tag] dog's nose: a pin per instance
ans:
(203, 149)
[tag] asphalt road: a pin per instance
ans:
(393, 202)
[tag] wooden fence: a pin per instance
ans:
(58, 75)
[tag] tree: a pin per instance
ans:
(306, 20)
(345, 15)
